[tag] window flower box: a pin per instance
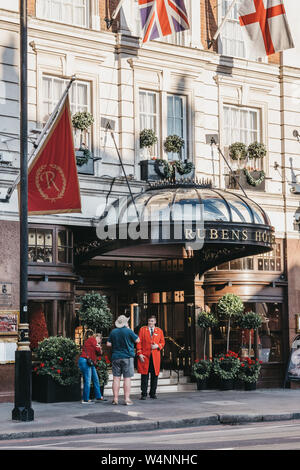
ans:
(152, 171)
(241, 177)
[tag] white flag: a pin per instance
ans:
(265, 27)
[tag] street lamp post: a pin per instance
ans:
(22, 410)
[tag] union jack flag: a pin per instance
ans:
(162, 17)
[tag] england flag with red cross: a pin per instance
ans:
(162, 17)
(265, 27)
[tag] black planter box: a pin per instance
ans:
(46, 390)
(149, 173)
(242, 179)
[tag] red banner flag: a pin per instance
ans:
(53, 186)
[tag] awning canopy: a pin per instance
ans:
(174, 220)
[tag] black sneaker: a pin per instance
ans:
(154, 397)
(143, 397)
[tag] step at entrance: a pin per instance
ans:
(167, 382)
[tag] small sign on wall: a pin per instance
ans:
(7, 351)
(9, 320)
(5, 294)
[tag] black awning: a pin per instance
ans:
(181, 220)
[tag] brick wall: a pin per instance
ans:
(209, 22)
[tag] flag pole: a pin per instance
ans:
(22, 410)
(210, 42)
(109, 21)
(42, 137)
(108, 126)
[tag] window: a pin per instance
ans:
(53, 88)
(177, 123)
(241, 125)
(64, 247)
(231, 37)
(269, 335)
(50, 245)
(271, 261)
(40, 246)
(74, 12)
(149, 116)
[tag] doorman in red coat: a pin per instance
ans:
(151, 343)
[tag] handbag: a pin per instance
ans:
(89, 361)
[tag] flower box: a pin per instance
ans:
(46, 390)
(149, 172)
(242, 179)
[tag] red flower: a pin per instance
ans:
(61, 359)
(196, 360)
(42, 365)
(58, 371)
(242, 365)
(35, 369)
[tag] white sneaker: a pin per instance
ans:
(87, 402)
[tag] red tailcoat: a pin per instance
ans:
(144, 347)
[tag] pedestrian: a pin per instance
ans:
(122, 341)
(152, 341)
(86, 363)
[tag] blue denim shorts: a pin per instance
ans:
(123, 367)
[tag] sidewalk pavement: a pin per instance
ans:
(170, 410)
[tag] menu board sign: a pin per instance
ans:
(9, 322)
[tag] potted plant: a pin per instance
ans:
(174, 144)
(205, 321)
(56, 376)
(249, 321)
(201, 370)
(226, 367)
(147, 140)
(229, 306)
(237, 151)
(102, 366)
(94, 312)
(249, 372)
(81, 121)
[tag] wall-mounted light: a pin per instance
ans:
(296, 134)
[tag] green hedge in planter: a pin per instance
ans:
(57, 358)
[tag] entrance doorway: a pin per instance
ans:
(175, 319)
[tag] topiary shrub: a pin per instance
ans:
(94, 312)
(230, 305)
(37, 326)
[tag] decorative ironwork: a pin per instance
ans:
(179, 183)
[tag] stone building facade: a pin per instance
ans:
(182, 84)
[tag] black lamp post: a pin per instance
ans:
(22, 410)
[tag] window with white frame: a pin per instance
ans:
(80, 100)
(177, 123)
(149, 116)
(231, 39)
(74, 12)
(241, 124)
